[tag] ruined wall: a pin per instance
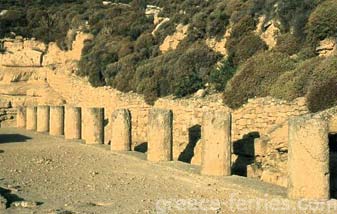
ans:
(261, 114)
(7, 114)
(54, 83)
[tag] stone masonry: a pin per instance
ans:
(72, 123)
(93, 125)
(308, 161)
(121, 130)
(56, 120)
(159, 135)
(216, 137)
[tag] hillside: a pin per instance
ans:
(280, 48)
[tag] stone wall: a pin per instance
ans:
(54, 83)
(7, 114)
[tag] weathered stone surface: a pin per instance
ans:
(56, 125)
(308, 159)
(216, 137)
(160, 135)
(72, 123)
(42, 119)
(121, 130)
(93, 125)
(21, 117)
(31, 118)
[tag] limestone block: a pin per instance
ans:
(31, 118)
(308, 159)
(93, 125)
(121, 130)
(56, 125)
(72, 123)
(42, 118)
(160, 135)
(216, 137)
(21, 117)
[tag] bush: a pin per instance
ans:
(256, 77)
(322, 93)
(323, 21)
(247, 47)
(288, 43)
(221, 75)
(295, 83)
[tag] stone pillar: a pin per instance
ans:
(56, 126)
(42, 118)
(72, 123)
(31, 118)
(93, 125)
(21, 117)
(308, 159)
(216, 139)
(160, 135)
(121, 130)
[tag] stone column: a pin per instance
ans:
(121, 130)
(72, 123)
(31, 118)
(308, 159)
(56, 126)
(42, 118)
(93, 125)
(160, 135)
(21, 117)
(216, 139)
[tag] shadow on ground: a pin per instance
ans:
(13, 138)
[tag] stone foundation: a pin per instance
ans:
(159, 135)
(121, 130)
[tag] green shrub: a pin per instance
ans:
(247, 47)
(221, 75)
(289, 44)
(295, 83)
(187, 85)
(322, 93)
(256, 77)
(323, 21)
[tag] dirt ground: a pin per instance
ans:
(64, 177)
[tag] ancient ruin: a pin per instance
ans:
(160, 135)
(121, 130)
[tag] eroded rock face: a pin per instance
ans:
(22, 53)
(268, 32)
(327, 47)
(171, 42)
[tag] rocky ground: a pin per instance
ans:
(44, 174)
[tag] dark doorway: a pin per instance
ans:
(194, 135)
(333, 164)
(245, 150)
(142, 147)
